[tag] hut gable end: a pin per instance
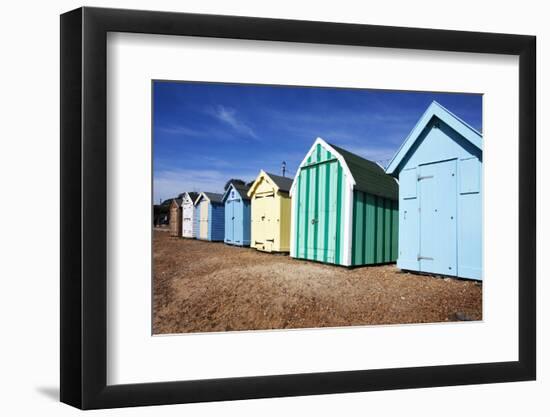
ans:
(240, 190)
(266, 182)
(361, 174)
(211, 197)
(436, 124)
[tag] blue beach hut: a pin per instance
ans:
(237, 215)
(210, 216)
(439, 167)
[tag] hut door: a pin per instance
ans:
(317, 203)
(237, 221)
(203, 220)
(229, 221)
(187, 227)
(265, 231)
(409, 223)
(437, 185)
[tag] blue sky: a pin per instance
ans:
(206, 133)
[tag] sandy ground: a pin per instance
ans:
(204, 287)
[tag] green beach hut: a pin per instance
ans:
(344, 209)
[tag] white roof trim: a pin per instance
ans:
(186, 197)
(201, 194)
(447, 117)
(324, 144)
(254, 184)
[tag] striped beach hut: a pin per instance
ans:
(439, 167)
(210, 217)
(270, 213)
(237, 214)
(344, 209)
(188, 214)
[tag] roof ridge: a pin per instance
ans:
(370, 162)
(364, 175)
(446, 116)
(458, 118)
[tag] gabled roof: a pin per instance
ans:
(166, 202)
(363, 174)
(192, 195)
(177, 201)
(212, 197)
(434, 110)
(242, 189)
(283, 184)
(369, 176)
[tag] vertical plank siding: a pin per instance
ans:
(375, 228)
(270, 215)
(216, 222)
(188, 218)
(196, 221)
(440, 168)
(237, 218)
(319, 206)
(175, 219)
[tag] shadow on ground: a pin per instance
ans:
(50, 392)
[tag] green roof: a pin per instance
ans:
(369, 176)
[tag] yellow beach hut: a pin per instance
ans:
(270, 209)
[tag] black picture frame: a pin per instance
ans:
(84, 207)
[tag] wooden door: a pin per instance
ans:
(264, 233)
(229, 221)
(203, 220)
(438, 223)
(187, 220)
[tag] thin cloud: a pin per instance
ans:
(228, 116)
(169, 183)
(207, 132)
(182, 130)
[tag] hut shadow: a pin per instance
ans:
(49, 392)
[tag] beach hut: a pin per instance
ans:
(344, 209)
(439, 167)
(270, 213)
(175, 217)
(188, 214)
(237, 214)
(209, 213)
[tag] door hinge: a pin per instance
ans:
(418, 258)
(424, 177)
